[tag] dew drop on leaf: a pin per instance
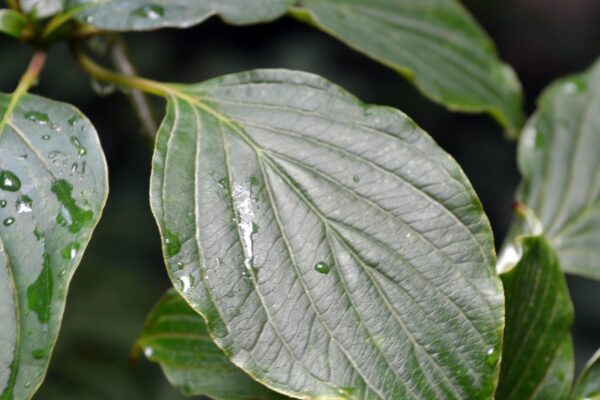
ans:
(322, 267)
(38, 354)
(150, 11)
(24, 204)
(37, 117)
(9, 221)
(3, 203)
(491, 357)
(9, 181)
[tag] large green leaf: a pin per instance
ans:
(558, 158)
(435, 44)
(176, 336)
(53, 186)
(587, 386)
(153, 14)
(334, 249)
(537, 358)
(11, 23)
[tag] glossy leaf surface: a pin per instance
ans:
(537, 359)
(558, 158)
(587, 386)
(177, 337)
(146, 15)
(53, 186)
(42, 8)
(435, 44)
(334, 249)
(11, 23)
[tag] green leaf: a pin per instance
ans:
(176, 336)
(587, 386)
(334, 249)
(11, 23)
(53, 186)
(558, 158)
(140, 15)
(42, 8)
(435, 44)
(537, 358)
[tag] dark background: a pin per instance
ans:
(122, 274)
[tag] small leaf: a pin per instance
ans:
(136, 15)
(51, 197)
(318, 284)
(12, 23)
(537, 360)
(558, 158)
(177, 337)
(435, 44)
(587, 386)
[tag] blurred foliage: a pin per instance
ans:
(122, 274)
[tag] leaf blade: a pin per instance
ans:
(558, 161)
(11, 23)
(255, 182)
(45, 227)
(412, 36)
(139, 15)
(538, 361)
(588, 383)
(177, 337)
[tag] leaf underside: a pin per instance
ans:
(136, 15)
(53, 186)
(558, 158)
(176, 336)
(333, 248)
(436, 44)
(537, 358)
(588, 383)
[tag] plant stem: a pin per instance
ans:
(138, 99)
(529, 216)
(103, 74)
(30, 78)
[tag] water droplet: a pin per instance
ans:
(356, 178)
(81, 151)
(46, 137)
(150, 11)
(73, 120)
(185, 283)
(491, 357)
(40, 294)
(224, 184)
(23, 157)
(70, 214)
(9, 181)
(63, 272)
(180, 265)
(171, 243)
(38, 235)
(38, 354)
(24, 204)
(9, 221)
(37, 117)
(148, 351)
(27, 384)
(322, 267)
(3, 203)
(70, 251)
